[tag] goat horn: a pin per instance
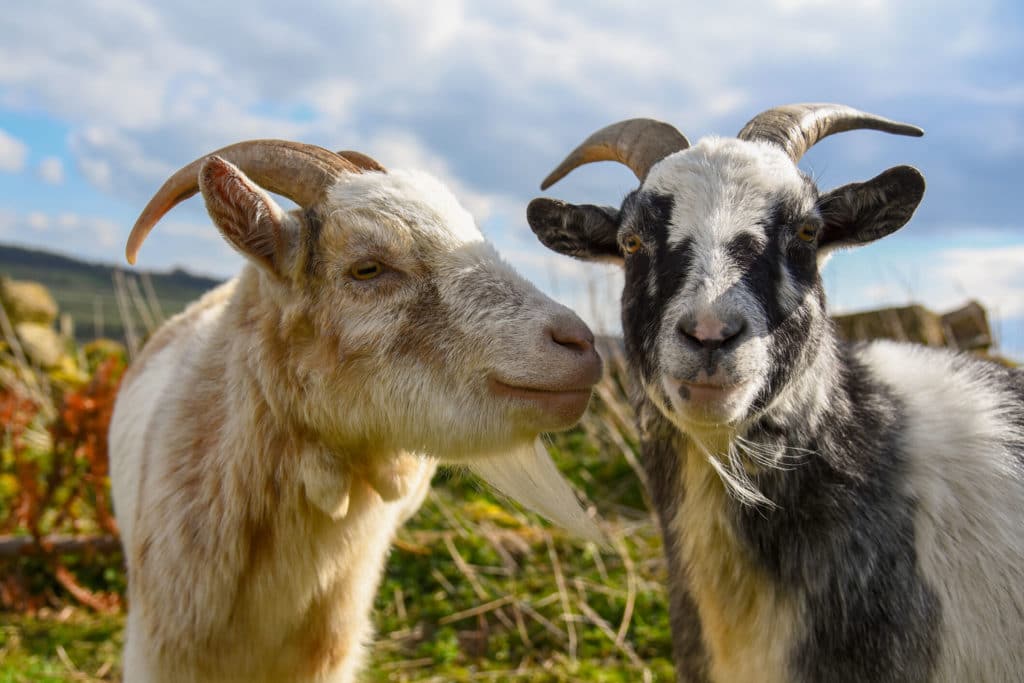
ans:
(797, 127)
(295, 170)
(361, 160)
(637, 143)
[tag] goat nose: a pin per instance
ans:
(711, 333)
(572, 333)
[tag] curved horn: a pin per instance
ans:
(637, 143)
(295, 170)
(797, 127)
(361, 160)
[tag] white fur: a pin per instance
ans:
(535, 482)
(269, 440)
(970, 539)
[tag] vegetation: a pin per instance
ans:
(87, 291)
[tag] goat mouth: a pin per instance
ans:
(710, 386)
(704, 392)
(567, 403)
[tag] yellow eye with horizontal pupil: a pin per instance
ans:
(632, 244)
(366, 270)
(808, 232)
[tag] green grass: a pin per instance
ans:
(70, 645)
(475, 590)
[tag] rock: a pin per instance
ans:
(909, 323)
(27, 302)
(42, 345)
(967, 328)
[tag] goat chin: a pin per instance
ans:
(528, 475)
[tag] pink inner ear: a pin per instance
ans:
(242, 211)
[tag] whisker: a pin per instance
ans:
(775, 456)
(735, 477)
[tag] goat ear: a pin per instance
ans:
(859, 213)
(245, 214)
(585, 231)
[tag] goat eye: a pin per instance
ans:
(807, 232)
(366, 270)
(632, 244)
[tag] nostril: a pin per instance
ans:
(577, 337)
(732, 332)
(711, 337)
(689, 334)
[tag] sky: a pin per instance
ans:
(100, 101)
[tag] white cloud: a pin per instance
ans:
(63, 230)
(939, 278)
(163, 87)
(67, 221)
(108, 155)
(13, 153)
(98, 172)
(51, 170)
(489, 96)
(995, 275)
(333, 98)
(193, 231)
(400, 149)
(38, 221)
(107, 232)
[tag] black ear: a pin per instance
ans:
(585, 231)
(859, 213)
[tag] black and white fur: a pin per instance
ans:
(830, 512)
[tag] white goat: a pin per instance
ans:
(268, 441)
(830, 512)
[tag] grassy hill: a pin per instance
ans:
(87, 290)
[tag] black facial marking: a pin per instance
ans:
(789, 330)
(743, 250)
(642, 310)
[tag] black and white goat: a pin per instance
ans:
(829, 512)
(268, 441)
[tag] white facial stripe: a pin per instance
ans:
(722, 187)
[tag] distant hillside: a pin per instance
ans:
(86, 290)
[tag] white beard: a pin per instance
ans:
(528, 476)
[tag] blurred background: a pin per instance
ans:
(100, 101)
